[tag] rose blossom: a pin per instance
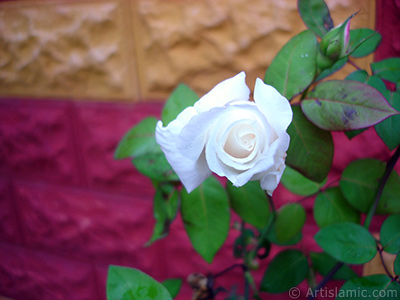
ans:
(226, 133)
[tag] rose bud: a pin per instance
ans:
(334, 45)
(227, 134)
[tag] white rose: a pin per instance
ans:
(226, 133)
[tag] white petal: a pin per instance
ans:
(192, 138)
(181, 120)
(264, 165)
(232, 89)
(273, 105)
(270, 182)
(191, 172)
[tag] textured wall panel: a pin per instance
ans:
(89, 49)
(37, 140)
(204, 42)
(8, 223)
(77, 49)
(99, 141)
(86, 225)
(27, 274)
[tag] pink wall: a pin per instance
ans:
(68, 209)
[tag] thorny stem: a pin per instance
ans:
(244, 268)
(389, 167)
(380, 250)
(325, 280)
(354, 65)
(248, 279)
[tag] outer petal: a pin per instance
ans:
(191, 172)
(270, 181)
(192, 138)
(273, 105)
(232, 89)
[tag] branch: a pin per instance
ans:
(389, 167)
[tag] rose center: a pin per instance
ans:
(241, 141)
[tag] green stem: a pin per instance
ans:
(250, 283)
(266, 230)
(246, 289)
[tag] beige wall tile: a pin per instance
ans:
(141, 49)
(68, 49)
(203, 42)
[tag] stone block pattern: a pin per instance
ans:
(37, 140)
(142, 49)
(70, 49)
(203, 42)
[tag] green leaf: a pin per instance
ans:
(345, 105)
(323, 263)
(250, 203)
(331, 207)
(293, 68)
(390, 200)
(173, 285)
(363, 41)
(373, 81)
(131, 284)
(353, 133)
(148, 158)
(389, 129)
(140, 140)
(358, 75)
(289, 222)
(360, 181)
(165, 207)
(396, 265)
(347, 242)
(182, 97)
(272, 238)
(298, 184)
(390, 234)
(315, 15)
(288, 269)
(373, 287)
(388, 69)
(205, 212)
(311, 149)
(155, 166)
